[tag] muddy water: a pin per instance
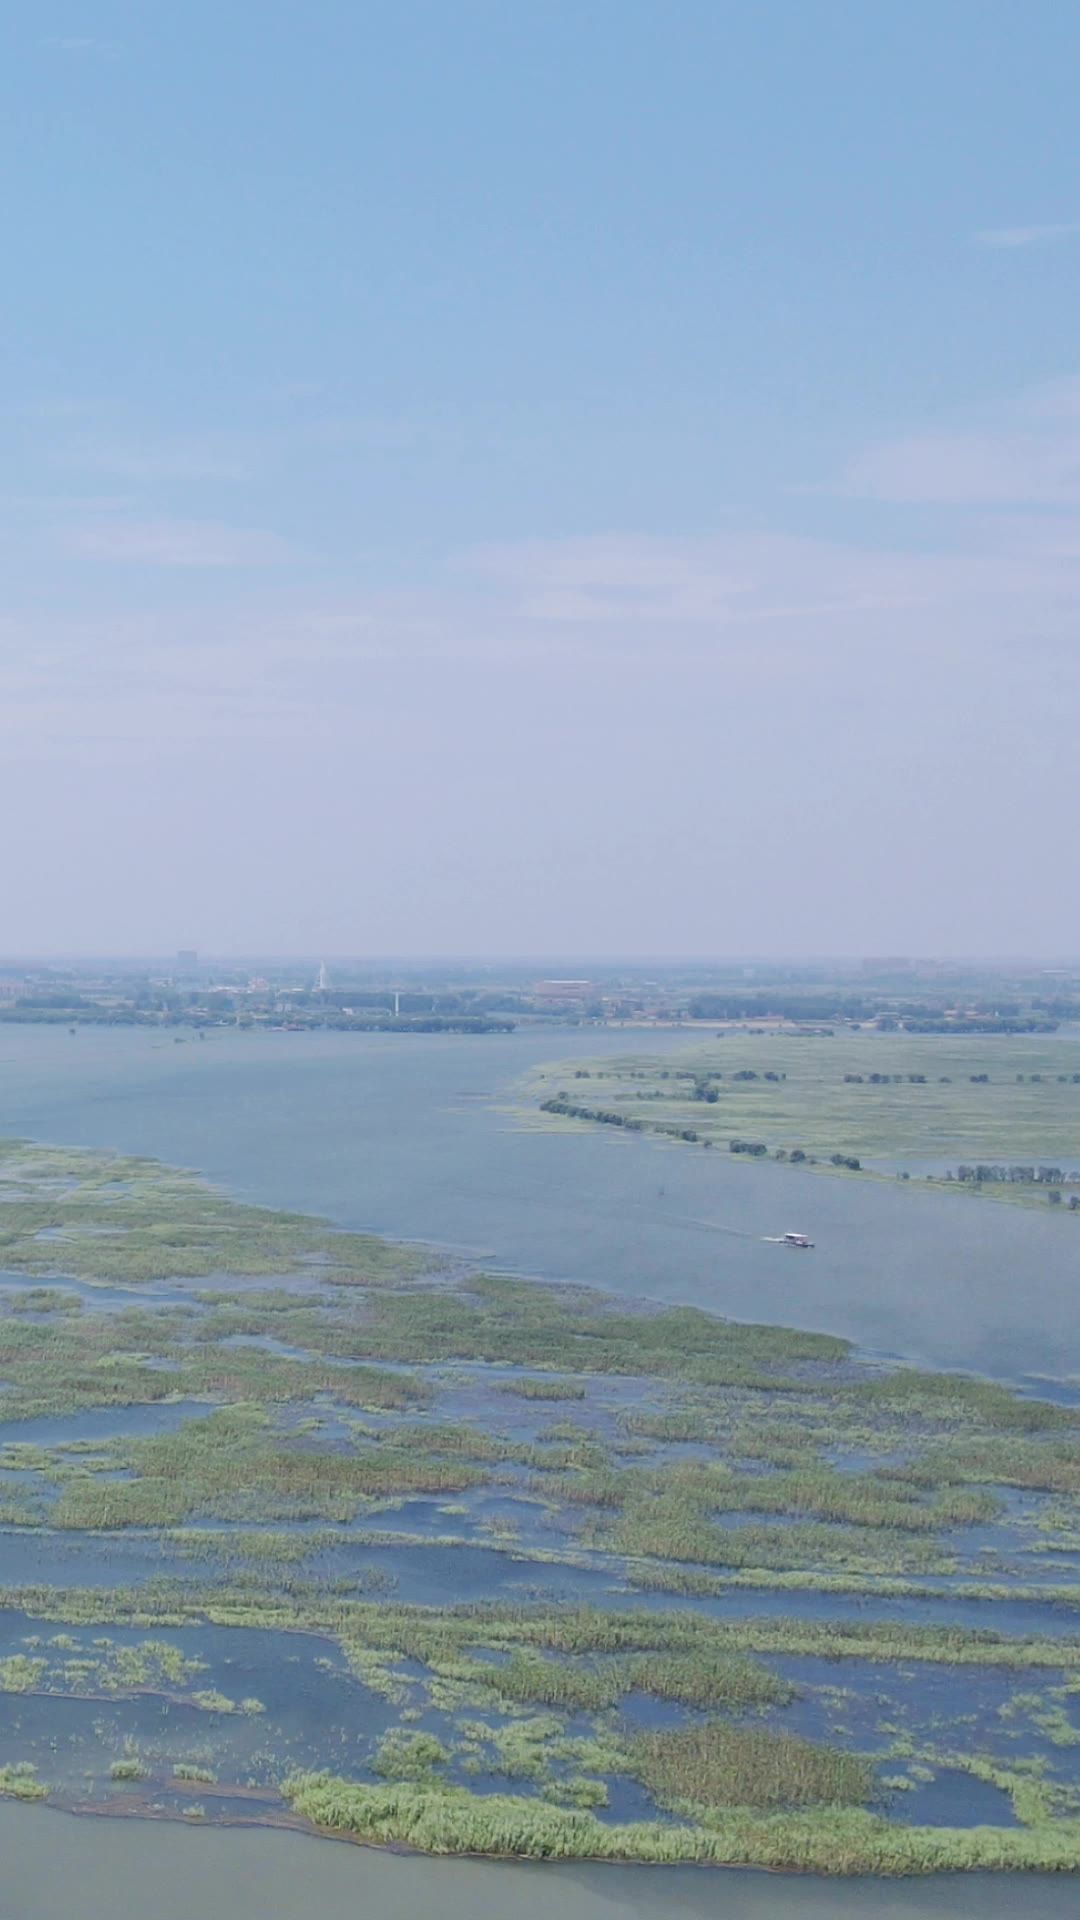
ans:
(57, 1867)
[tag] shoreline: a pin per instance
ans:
(284, 1822)
(75, 1866)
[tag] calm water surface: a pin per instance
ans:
(56, 1867)
(411, 1136)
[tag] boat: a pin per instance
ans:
(795, 1240)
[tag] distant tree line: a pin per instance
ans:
(706, 1086)
(763, 1004)
(977, 1023)
(410, 1023)
(888, 1013)
(1015, 1176)
(403, 1001)
(561, 1103)
(89, 1015)
(51, 1002)
(611, 1117)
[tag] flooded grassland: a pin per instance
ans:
(991, 1116)
(301, 1527)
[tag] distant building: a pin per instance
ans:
(323, 981)
(569, 994)
(187, 960)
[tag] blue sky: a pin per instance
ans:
(597, 477)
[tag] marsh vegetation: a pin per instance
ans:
(997, 1116)
(251, 1473)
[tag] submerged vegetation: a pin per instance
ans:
(283, 1485)
(121, 1220)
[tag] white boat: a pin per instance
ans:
(795, 1240)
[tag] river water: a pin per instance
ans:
(56, 1867)
(414, 1137)
(411, 1136)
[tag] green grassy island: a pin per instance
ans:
(303, 1527)
(994, 1116)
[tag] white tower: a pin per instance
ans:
(324, 978)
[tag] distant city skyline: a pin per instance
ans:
(542, 479)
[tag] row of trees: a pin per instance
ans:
(1011, 1176)
(966, 1023)
(755, 1149)
(934, 1014)
(94, 1016)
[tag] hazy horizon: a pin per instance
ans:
(549, 480)
(718, 962)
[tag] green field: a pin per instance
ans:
(937, 1101)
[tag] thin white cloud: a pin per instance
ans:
(180, 543)
(1026, 456)
(754, 613)
(758, 617)
(234, 455)
(192, 456)
(1046, 234)
(733, 580)
(52, 505)
(78, 43)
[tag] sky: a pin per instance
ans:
(579, 476)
